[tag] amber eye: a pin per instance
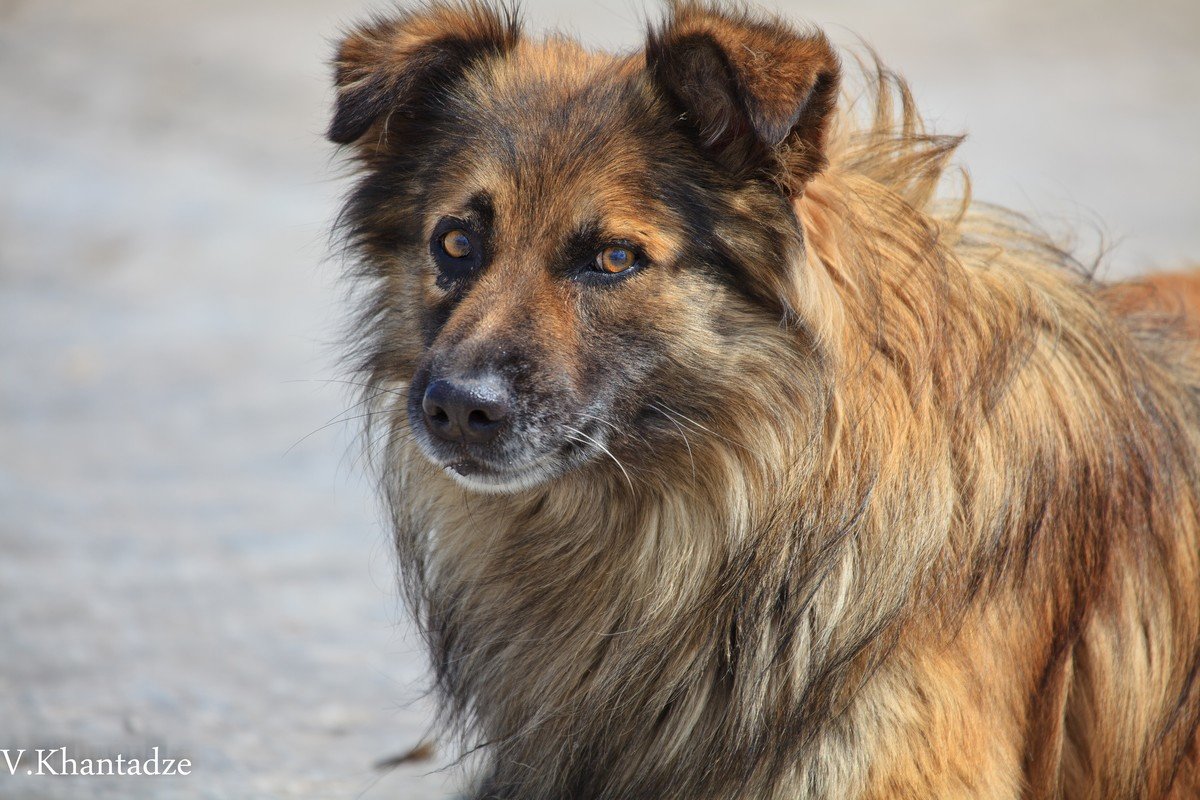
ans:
(614, 260)
(456, 243)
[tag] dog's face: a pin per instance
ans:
(568, 247)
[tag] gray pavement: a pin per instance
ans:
(188, 558)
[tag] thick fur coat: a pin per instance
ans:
(842, 490)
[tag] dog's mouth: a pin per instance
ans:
(516, 455)
(507, 474)
(477, 475)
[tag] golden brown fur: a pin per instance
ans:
(1174, 294)
(920, 518)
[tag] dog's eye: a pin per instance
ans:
(616, 259)
(456, 243)
(457, 249)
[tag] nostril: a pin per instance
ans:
(480, 419)
(434, 411)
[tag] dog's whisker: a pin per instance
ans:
(682, 434)
(361, 384)
(606, 451)
(340, 419)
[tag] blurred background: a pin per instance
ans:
(189, 557)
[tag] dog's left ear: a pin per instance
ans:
(755, 92)
(391, 63)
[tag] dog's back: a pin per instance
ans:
(1170, 293)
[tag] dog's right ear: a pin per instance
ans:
(387, 65)
(751, 88)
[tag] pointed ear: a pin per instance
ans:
(754, 91)
(390, 63)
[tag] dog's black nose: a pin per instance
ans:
(472, 410)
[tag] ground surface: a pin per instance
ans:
(179, 565)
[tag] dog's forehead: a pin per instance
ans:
(556, 136)
(548, 74)
(552, 106)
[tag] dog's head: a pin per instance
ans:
(575, 254)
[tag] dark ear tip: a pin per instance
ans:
(340, 133)
(353, 116)
(344, 131)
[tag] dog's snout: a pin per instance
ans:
(472, 410)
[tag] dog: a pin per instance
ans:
(732, 452)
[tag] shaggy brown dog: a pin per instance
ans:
(726, 461)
